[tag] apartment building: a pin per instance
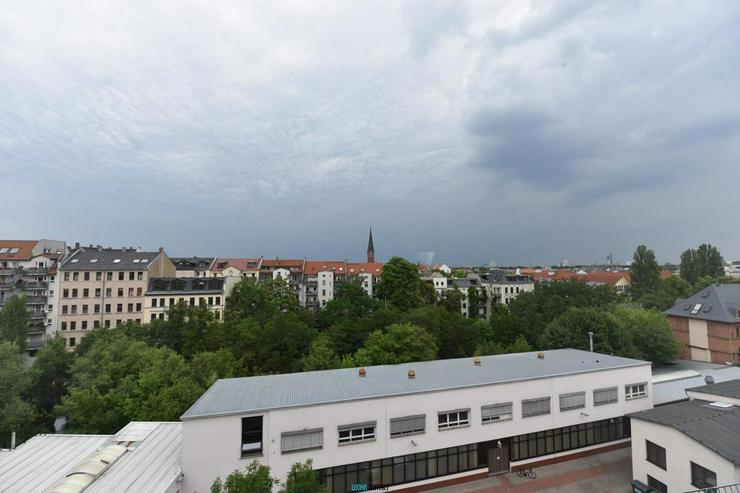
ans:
(319, 280)
(465, 285)
(689, 446)
(290, 270)
(164, 293)
(708, 324)
(104, 287)
(193, 266)
(503, 288)
(368, 272)
(413, 425)
(27, 268)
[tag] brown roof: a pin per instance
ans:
(239, 263)
(316, 266)
(604, 277)
(21, 249)
(282, 263)
(374, 268)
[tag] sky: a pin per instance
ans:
(522, 132)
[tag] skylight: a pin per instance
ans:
(117, 261)
(74, 260)
(93, 260)
(4, 250)
(696, 309)
(721, 405)
(136, 260)
(14, 250)
(144, 260)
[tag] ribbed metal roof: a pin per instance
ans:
(262, 393)
(715, 428)
(151, 466)
(39, 462)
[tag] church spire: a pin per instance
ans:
(370, 248)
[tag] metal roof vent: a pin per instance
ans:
(540, 355)
(476, 361)
(412, 374)
(362, 372)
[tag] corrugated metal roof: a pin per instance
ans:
(262, 393)
(675, 390)
(39, 462)
(715, 428)
(152, 465)
(728, 388)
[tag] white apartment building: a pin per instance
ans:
(691, 445)
(503, 288)
(409, 425)
(163, 294)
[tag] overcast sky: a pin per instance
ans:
(520, 132)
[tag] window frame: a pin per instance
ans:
(404, 419)
(658, 452)
(363, 435)
(451, 424)
(581, 394)
(629, 395)
(704, 470)
(497, 417)
(614, 388)
(244, 433)
(537, 399)
(290, 434)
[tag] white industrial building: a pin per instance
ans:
(691, 445)
(415, 424)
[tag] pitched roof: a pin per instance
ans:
(316, 266)
(108, 259)
(262, 393)
(282, 263)
(605, 277)
(16, 249)
(717, 302)
(729, 388)
(718, 429)
(374, 268)
(193, 263)
(241, 264)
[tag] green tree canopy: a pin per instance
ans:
(303, 479)
(668, 291)
(644, 272)
(14, 321)
(263, 301)
(650, 333)
(16, 414)
(350, 303)
(49, 375)
(401, 343)
(255, 478)
(570, 330)
(278, 346)
(455, 335)
(400, 285)
(704, 261)
(321, 354)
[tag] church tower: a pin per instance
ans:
(370, 248)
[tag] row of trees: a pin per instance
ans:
(257, 478)
(156, 371)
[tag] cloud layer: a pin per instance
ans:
(521, 132)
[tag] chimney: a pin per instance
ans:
(411, 374)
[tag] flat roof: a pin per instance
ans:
(268, 392)
(675, 390)
(729, 388)
(715, 428)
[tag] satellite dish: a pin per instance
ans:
(709, 379)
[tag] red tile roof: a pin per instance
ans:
(604, 277)
(374, 268)
(316, 266)
(23, 252)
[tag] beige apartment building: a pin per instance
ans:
(103, 288)
(163, 294)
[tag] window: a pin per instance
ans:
(107, 324)
(75, 276)
(109, 276)
(535, 407)
(130, 291)
(154, 316)
(131, 276)
(130, 307)
(119, 308)
(635, 391)
(573, 400)
(154, 302)
(64, 325)
(138, 291)
(66, 276)
(139, 276)
(360, 432)
(98, 276)
(656, 485)
(97, 292)
(138, 307)
(453, 419)
(408, 425)
(85, 293)
(605, 396)
(96, 308)
(210, 300)
(251, 435)
(96, 324)
(72, 342)
(702, 477)
(74, 293)
(496, 412)
(108, 292)
(120, 276)
(73, 326)
(301, 440)
(65, 293)
(655, 454)
(84, 309)
(84, 325)
(120, 292)
(695, 309)
(86, 276)
(73, 308)
(218, 300)
(107, 308)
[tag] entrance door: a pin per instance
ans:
(498, 458)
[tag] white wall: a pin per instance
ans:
(680, 451)
(211, 446)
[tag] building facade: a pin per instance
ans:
(193, 266)
(708, 324)
(27, 268)
(401, 426)
(690, 445)
(503, 288)
(104, 288)
(164, 293)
